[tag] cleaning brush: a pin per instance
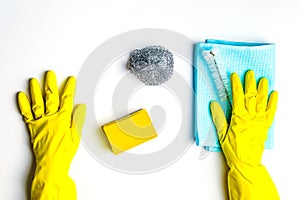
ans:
(219, 76)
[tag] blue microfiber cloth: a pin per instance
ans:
(230, 57)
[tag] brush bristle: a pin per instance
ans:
(219, 76)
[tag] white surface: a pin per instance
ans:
(36, 36)
(147, 97)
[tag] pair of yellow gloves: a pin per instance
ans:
(55, 128)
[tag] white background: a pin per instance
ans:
(36, 36)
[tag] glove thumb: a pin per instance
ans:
(219, 119)
(78, 118)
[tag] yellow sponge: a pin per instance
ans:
(129, 131)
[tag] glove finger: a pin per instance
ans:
(219, 120)
(262, 95)
(25, 107)
(238, 101)
(51, 93)
(78, 118)
(68, 95)
(250, 92)
(36, 98)
(272, 106)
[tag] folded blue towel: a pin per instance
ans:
(230, 57)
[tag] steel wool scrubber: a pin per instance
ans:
(153, 65)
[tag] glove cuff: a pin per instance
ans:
(53, 187)
(251, 182)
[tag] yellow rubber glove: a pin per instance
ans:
(242, 141)
(55, 135)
